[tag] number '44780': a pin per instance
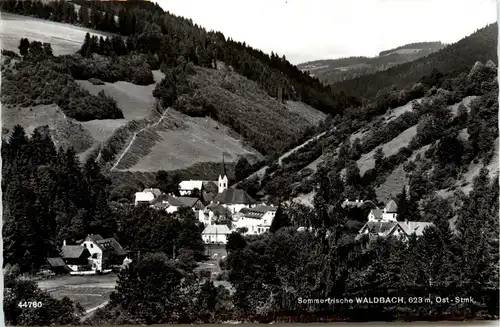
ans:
(29, 304)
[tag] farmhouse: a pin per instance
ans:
(147, 195)
(104, 252)
(384, 223)
(256, 220)
(75, 257)
(215, 234)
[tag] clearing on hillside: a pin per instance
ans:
(135, 101)
(64, 38)
(312, 115)
(392, 147)
(65, 132)
(179, 141)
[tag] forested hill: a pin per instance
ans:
(150, 30)
(414, 46)
(452, 60)
(332, 71)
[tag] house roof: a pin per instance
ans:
(155, 191)
(216, 229)
(160, 199)
(391, 207)
(110, 244)
(234, 196)
(73, 251)
(379, 227)
(414, 227)
(385, 228)
(257, 212)
(377, 213)
(185, 201)
(57, 262)
(218, 209)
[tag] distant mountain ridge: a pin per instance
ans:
(331, 71)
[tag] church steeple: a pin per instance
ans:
(223, 181)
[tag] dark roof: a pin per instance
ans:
(110, 244)
(73, 251)
(234, 196)
(257, 212)
(185, 201)
(56, 262)
(391, 207)
(218, 209)
(160, 199)
(380, 227)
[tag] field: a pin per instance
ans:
(179, 141)
(65, 131)
(305, 111)
(392, 147)
(64, 38)
(89, 291)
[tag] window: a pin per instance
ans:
(84, 245)
(91, 245)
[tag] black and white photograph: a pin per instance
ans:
(204, 162)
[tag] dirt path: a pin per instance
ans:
(134, 137)
(88, 313)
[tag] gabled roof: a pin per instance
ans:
(160, 199)
(257, 212)
(216, 229)
(57, 262)
(414, 227)
(110, 244)
(155, 191)
(73, 251)
(185, 201)
(218, 209)
(379, 227)
(391, 207)
(377, 213)
(234, 196)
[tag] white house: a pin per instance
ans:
(104, 252)
(256, 220)
(147, 195)
(215, 234)
(187, 187)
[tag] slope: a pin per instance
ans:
(457, 57)
(337, 70)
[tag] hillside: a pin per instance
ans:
(434, 134)
(337, 70)
(453, 59)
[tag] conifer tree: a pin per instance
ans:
(280, 220)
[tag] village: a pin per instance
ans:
(223, 210)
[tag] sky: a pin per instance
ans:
(306, 30)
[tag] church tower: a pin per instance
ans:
(223, 181)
